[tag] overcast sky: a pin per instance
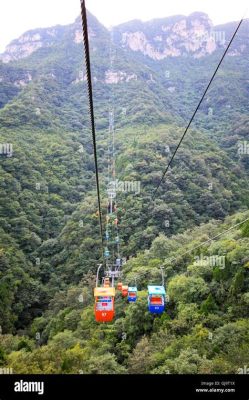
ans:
(18, 16)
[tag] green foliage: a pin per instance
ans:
(245, 229)
(49, 235)
(187, 289)
(204, 329)
(208, 306)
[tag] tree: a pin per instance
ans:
(187, 289)
(139, 361)
(208, 305)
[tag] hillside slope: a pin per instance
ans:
(204, 328)
(166, 62)
(153, 75)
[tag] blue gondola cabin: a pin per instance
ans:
(156, 299)
(132, 294)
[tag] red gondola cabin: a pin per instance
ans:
(124, 290)
(104, 304)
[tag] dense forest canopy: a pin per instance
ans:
(49, 235)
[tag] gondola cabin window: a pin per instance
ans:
(104, 303)
(159, 300)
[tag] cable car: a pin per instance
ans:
(107, 253)
(132, 294)
(156, 299)
(119, 287)
(118, 262)
(107, 236)
(104, 304)
(124, 290)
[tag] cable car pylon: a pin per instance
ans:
(105, 294)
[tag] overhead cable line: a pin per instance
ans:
(190, 122)
(209, 240)
(90, 95)
(197, 108)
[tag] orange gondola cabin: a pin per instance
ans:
(104, 304)
(124, 290)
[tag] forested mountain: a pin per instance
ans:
(205, 329)
(175, 57)
(154, 73)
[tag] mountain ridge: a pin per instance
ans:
(169, 85)
(32, 40)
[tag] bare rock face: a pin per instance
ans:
(28, 43)
(32, 41)
(177, 36)
(78, 36)
(193, 35)
(22, 47)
